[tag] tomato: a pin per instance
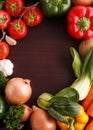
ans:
(2, 107)
(4, 19)
(33, 16)
(14, 7)
(17, 29)
(4, 50)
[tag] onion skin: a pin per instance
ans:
(27, 113)
(18, 91)
(82, 2)
(85, 46)
(41, 120)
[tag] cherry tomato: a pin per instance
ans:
(17, 29)
(4, 50)
(4, 19)
(14, 7)
(2, 107)
(33, 16)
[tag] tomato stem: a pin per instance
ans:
(3, 35)
(36, 3)
(26, 8)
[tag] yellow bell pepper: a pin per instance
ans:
(81, 121)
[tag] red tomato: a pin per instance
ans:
(33, 16)
(17, 29)
(14, 7)
(4, 50)
(4, 19)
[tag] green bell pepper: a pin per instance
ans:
(2, 2)
(55, 7)
(2, 107)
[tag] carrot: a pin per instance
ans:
(87, 101)
(90, 109)
(90, 126)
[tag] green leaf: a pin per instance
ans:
(12, 118)
(3, 82)
(70, 93)
(77, 62)
(90, 66)
(88, 63)
(55, 114)
(65, 106)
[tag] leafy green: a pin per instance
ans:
(77, 62)
(69, 92)
(3, 82)
(83, 83)
(65, 106)
(55, 114)
(12, 117)
(61, 104)
(43, 100)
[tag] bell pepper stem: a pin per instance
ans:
(84, 23)
(71, 123)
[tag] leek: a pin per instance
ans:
(84, 74)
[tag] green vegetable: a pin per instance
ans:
(2, 107)
(77, 62)
(63, 103)
(12, 117)
(55, 7)
(85, 74)
(64, 106)
(70, 93)
(2, 2)
(3, 82)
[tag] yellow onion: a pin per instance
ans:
(18, 91)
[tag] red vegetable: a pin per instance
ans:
(17, 29)
(33, 16)
(41, 120)
(89, 126)
(4, 50)
(4, 19)
(90, 109)
(87, 101)
(27, 113)
(80, 22)
(14, 7)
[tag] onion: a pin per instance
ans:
(18, 91)
(27, 113)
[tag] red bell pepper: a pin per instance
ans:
(80, 22)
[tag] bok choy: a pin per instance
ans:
(61, 104)
(83, 71)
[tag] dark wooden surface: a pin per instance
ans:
(43, 56)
